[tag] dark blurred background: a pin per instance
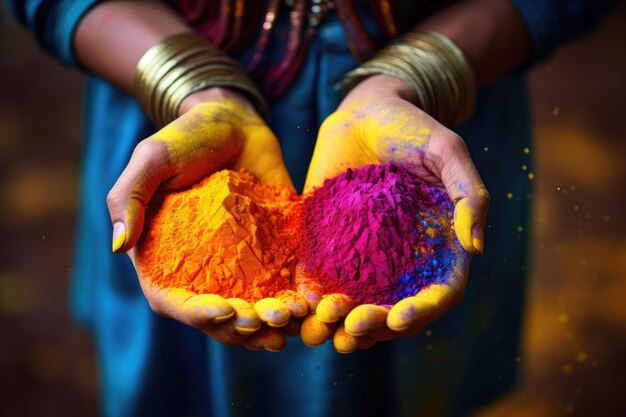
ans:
(574, 354)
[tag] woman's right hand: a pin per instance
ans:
(218, 129)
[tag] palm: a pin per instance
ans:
(387, 130)
(215, 136)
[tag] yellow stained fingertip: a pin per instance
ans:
(314, 332)
(118, 242)
(272, 311)
(421, 309)
(344, 342)
(463, 218)
(334, 307)
(479, 245)
(365, 319)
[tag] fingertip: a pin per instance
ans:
(272, 311)
(463, 222)
(413, 313)
(268, 339)
(119, 237)
(314, 332)
(219, 308)
(365, 319)
(344, 342)
(296, 303)
(246, 319)
(401, 315)
(334, 307)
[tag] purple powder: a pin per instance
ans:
(378, 234)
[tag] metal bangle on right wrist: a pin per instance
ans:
(181, 65)
(433, 66)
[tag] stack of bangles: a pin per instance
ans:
(185, 63)
(181, 65)
(433, 66)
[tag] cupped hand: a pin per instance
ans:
(218, 129)
(377, 123)
(221, 132)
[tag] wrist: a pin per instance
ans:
(379, 86)
(213, 94)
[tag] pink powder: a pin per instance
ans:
(378, 234)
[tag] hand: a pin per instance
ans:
(377, 123)
(218, 129)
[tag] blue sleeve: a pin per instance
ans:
(550, 23)
(52, 23)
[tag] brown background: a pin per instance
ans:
(574, 355)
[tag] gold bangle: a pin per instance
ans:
(181, 65)
(434, 67)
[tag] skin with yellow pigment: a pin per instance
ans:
(206, 138)
(380, 129)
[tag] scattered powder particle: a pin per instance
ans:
(378, 234)
(531, 176)
(509, 196)
(526, 150)
(229, 235)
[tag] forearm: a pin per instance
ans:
(491, 34)
(113, 36)
(111, 39)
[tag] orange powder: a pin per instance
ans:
(229, 234)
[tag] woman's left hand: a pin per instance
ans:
(377, 123)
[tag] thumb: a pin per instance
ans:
(470, 196)
(132, 192)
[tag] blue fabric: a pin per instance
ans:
(551, 23)
(152, 366)
(53, 23)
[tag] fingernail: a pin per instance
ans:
(477, 238)
(119, 236)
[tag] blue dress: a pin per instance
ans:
(151, 366)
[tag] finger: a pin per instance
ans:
(272, 311)
(226, 333)
(314, 332)
(246, 320)
(296, 303)
(462, 181)
(128, 198)
(413, 313)
(201, 311)
(334, 307)
(346, 343)
(308, 287)
(268, 338)
(292, 329)
(366, 319)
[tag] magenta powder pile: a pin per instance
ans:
(378, 234)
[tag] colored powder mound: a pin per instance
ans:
(229, 235)
(378, 234)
